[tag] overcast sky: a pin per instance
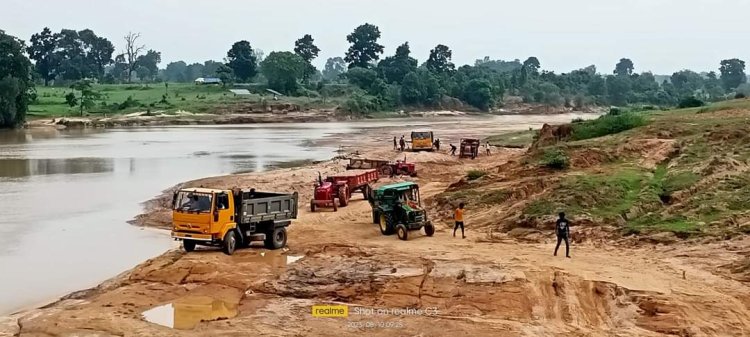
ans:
(658, 35)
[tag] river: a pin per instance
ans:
(66, 195)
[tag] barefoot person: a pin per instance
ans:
(458, 216)
(563, 233)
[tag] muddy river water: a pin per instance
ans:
(66, 195)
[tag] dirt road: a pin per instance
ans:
(484, 285)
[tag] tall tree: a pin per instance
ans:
(242, 60)
(440, 60)
(618, 88)
(225, 74)
(42, 51)
(283, 69)
(365, 48)
(308, 51)
(150, 62)
(73, 63)
(420, 87)
(15, 81)
(211, 68)
(687, 82)
(532, 65)
(175, 72)
(334, 67)
(132, 51)
(98, 51)
(394, 68)
(732, 73)
(624, 68)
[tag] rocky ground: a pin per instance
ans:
(502, 280)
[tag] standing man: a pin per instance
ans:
(453, 149)
(458, 216)
(402, 142)
(487, 148)
(437, 144)
(395, 145)
(563, 233)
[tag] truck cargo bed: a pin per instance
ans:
(256, 207)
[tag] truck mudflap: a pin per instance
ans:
(284, 223)
(192, 236)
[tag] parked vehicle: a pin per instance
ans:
(339, 188)
(469, 148)
(231, 218)
(422, 141)
(384, 167)
(397, 208)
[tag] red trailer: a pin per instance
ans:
(340, 187)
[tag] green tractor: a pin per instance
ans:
(397, 208)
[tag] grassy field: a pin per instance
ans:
(517, 139)
(121, 98)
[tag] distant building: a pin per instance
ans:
(207, 80)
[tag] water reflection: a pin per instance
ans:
(16, 168)
(186, 312)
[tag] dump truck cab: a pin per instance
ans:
(231, 218)
(422, 141)
(397, 208)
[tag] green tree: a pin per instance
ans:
(283, 69)
(686, 82)
(70, 52)
(242, 60)
(42, 51)
(150, 61)
(367, 80)
(618, 89)
(732, 73)
(440, 60)
(420, 87)
(479, 94)
(98, 52)
(394, 68)
(624, 68)
(175, 72)
(308, 51)
(15, 81)
(211, 68)
(335, 66)
(364, 47)
(532, 65)
(226, 75)
(87, 94)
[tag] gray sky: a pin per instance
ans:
(658, 35)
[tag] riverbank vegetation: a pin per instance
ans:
(80, 72)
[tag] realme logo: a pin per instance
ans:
(330, 311)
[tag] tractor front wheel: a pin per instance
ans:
(429, 230)
(402, 232)
(386, 224)
(343, 196)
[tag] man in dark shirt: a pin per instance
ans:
(453, 149)
(563, 233)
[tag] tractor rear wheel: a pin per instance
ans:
(402, 232)
(189, 245)
(386, 170)
(343, 196)
(386, 223)
(312, 206)
(429, 229)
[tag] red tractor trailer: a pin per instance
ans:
(340, 187)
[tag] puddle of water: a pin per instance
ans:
(292, 259)
(185, 313)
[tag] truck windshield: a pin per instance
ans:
(421, 135)
(188, 201)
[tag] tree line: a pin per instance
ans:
(368, 82)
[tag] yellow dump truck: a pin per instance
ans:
(231, 218)
(422, 141)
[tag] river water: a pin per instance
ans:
(66, 195)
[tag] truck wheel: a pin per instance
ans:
(402, 232)
(276, 239)
(230, 243)
(189, 245)
(386, 224)
(343, 196)
(375, 217)
(312, 206)
(429, 229)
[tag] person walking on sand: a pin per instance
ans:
(563, 233)
(402, 142)
(437, 144)
(395, 144)
(458, 216)
(453, 149)
(487, 148)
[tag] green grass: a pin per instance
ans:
(607, 125)
(517, 139)
(475, 174)
(474, 197)
(179, 96)
(555, 158)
